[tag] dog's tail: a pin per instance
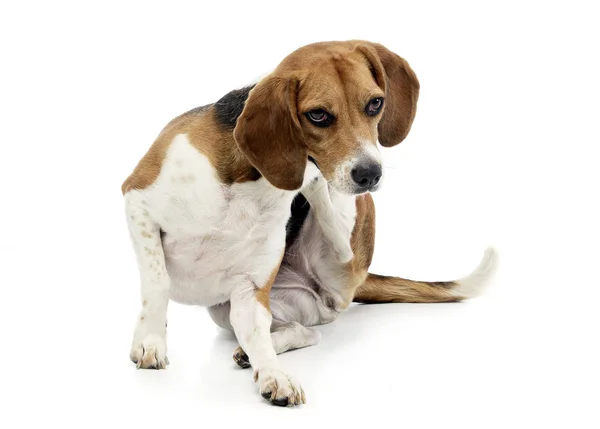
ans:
(380, 289)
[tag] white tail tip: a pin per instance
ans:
(476, 283)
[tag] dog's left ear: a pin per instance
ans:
(393, 74)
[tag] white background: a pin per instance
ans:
(503, 152)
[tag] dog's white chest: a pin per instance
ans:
(214, 235)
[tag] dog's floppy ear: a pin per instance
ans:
(269, 133)
(401, 86)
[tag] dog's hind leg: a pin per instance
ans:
(285, 336)
(220, 315)
(293, 335)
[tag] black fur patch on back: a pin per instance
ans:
(229, 108)
(300, 209)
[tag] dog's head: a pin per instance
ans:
(330, 103)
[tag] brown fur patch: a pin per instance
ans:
(206, 135)
(363, 235)
(263, 293)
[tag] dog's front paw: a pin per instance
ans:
(279, 388)
(150, 353)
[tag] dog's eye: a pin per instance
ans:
(374, 106)
(320, 118)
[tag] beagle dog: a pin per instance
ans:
(258, 208)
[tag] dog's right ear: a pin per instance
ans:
(269, 133)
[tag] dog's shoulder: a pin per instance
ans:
(209, 129)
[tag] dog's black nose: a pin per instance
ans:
(367, 176)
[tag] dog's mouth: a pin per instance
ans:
(350, 188)
(358, 190)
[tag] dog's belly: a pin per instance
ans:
(204, 269)
(196, 277)
(243, 245)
